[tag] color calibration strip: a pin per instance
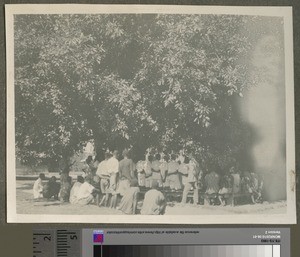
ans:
(187, 250)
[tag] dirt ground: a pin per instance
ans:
(26, 205)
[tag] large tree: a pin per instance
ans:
(132, 80)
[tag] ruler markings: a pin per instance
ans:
(56, 243)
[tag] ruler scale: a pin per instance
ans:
(68, 243)
(43, 243)
(221, 242)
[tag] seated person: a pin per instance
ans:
(38, 187)
(129, 201)
(251, 185)
(211, 180)
(154, 201)
(86, 192)
(51, 189)
(257, 187)
(95, 182)
(226, 188)
(75, 189)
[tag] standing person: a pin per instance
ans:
(126, 172)
(102, 172)
(164, 168)
(141, 173)
(65, 189)
(154, 201)
(156, 172)
(51, 189)
(38, 187)
(129, 201)
(148, 171)
(75, 189)
(183, 171)
(172, 179)
(212, 181)
(191, 182)
(126, 166)
(113, 171)
(236, 186)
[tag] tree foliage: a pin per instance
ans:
(166, 81)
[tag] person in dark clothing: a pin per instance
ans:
(51, 189)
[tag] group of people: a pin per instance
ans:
(118, 184)
(222, 189)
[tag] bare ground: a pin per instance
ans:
(26, 205)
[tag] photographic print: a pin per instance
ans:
(150, 114)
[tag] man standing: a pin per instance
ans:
(156, 173)
(126, 172)
(191, 181)
(172, 179)
(102, 172)
(113, 170)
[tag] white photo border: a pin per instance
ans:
(285, 12)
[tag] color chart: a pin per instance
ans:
(187, 251)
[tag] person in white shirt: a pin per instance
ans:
(85, 192)
(75, 189)
(113, 170)
(102, 172)
(38, 187)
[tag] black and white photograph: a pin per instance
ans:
(150, 114)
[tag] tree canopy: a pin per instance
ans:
(142, 80)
